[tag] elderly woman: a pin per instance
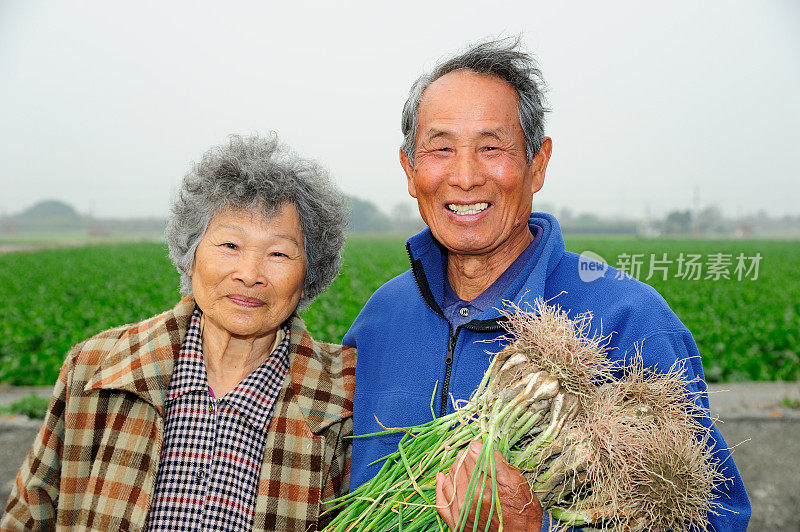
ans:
(222, 413)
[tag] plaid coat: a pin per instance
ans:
(94, 463)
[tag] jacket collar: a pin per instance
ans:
(142, 360)
(426, 256)
(318, 379)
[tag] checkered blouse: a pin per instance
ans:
(213, 447)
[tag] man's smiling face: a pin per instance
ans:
(470, 176)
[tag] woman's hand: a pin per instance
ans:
(521, 509)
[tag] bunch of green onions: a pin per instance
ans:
(628, 454)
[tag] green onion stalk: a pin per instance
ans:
(628, 454)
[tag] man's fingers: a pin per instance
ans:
(475, 446)
(445, 499)
(506, 475)
(521, 510)
(464, 466)
(452, 488)
(465, 461)
(510, 480)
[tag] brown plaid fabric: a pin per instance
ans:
(94, 463)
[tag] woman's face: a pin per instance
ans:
(248, 271)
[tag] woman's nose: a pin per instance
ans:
(250, 271)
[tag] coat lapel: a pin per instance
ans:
(313, 371)
(294, 469)
(142, 360)
(312, 398)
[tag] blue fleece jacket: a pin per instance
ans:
(406, 349)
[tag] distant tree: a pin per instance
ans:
(543, 206)
(711, 220)
(678, 222)
(49, 215)
(405, 220)
(402, 213)
(365, 217)
(587, 218)
(48, 209)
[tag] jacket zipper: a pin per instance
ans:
(483, 326)
(448, 367)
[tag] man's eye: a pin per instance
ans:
(279, 254)
(230, 245)
(490, 148)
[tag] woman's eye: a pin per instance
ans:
(279, 254)
(230, 245)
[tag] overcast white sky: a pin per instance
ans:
(104, 104)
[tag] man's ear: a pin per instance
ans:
(409, 170)
(538, 165)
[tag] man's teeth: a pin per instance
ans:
(472, 208)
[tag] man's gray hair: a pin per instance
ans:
(260, 174)
(502, 59)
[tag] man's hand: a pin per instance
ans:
(521, 509)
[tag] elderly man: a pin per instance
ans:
(474, 154)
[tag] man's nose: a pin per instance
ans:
(249, 270)
(466, 172)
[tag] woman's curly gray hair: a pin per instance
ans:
(259, 173)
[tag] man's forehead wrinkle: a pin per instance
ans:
(435, 133)
(498, 133)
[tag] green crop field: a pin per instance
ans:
(746, 325)
(745, 329)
